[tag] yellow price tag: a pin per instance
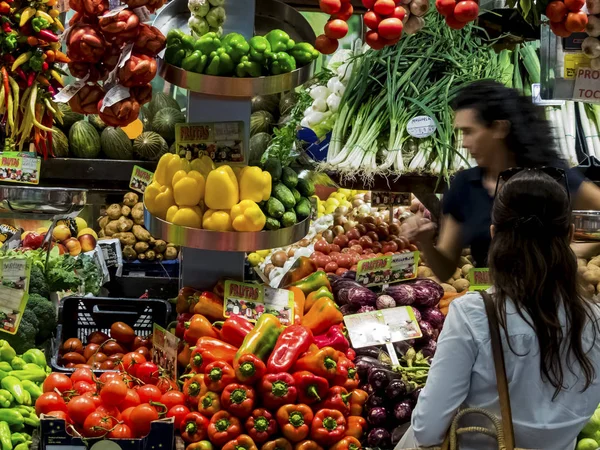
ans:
(572, 62)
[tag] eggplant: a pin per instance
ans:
(375, 401)
(429, 348)
(403, 346)
(427, 330)
(367, 388)
(349, 274)
(415, 394)
(364, 309)
(427, 292)
(379, 437)
(403, 294)
(403, 411)
(343, 283)
(396, 389)
(417, 314)
(361, 296)
(434, 317)
(373, 352)
(399, 432)
(377, 416)
(380, 378)
(365, 363)
(346, 309)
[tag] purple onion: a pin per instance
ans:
(403, 411)
(379, 437)
(377, 416)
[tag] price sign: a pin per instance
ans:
(479, 279)
(140, 179)
(421, 127)
(390, 198)
(14, 288)
(164, 345)
(587, 85)
(222, 142)
(20, 168)
(252, 301)
(388, 269)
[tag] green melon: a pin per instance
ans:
(160, 101)
(144, 116)
(60, 143)
(164, 122)
(116, 144)
(84, 140)
(98, 123)
(150, 146)
(69, 117)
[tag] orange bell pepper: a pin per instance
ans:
(323, 363)
(198, 326)
(194, 388)
(209, 350)
(294, 421)
(357, 402)
(347, 443)
(242, 442)
(323, 315)
(356, 426)
(186, 300)
(277, 444)
(210, 305)
(307, 445)
(299, 300)
(316, 295)
(183, 357)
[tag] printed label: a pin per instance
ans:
(140, 179)
(479, 279)
(14, 288)
(587, 85)
(115, 11)
(19, 168)
(142, 13)
(421, 127)
(572, 62)
(125, 55)
(221, 142)
(382, 327)
(68, 92)
(390, 198)
(387, 269)
(164, 355)
(115, 95)
(253, 300)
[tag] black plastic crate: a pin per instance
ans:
(80, 316)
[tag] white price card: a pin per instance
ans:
(587, 85)
(421, 127)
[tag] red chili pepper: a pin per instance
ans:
(347, 375)
(235, 329)
(278, 389)
(194, 427)
(238, 400)
(45, 66)
(218, 375)
(6, 27)
(30, 78)
(249, 368)
(335, 337)
(47, 35)
(21, 74)
(292, 342)
(311, 388)
(337, 398)
(261, 425)
(329, 426)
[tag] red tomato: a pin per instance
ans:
(322, 246)
(331, 267)
(131, 361)
(49, 401)
(558, 28)
(122, 333)
(121, 431)
(330, 6)
(341, 271)
(82, 375)
(556, 11)
(111, 411)
(371, 20)
(148, 372)
(334, 248)
(400, 12)
(90, 350)
(576, 21)
(172, 398)
(144, 352)
(132, 399)
(466, 11)
(384, 7)
(95, 397)
(141, 417)
(60, 415)
(455, 24)
(326, 46)
(125, 416)
(368, 4)
(389, 29)
(574, 5)
(336, 29)
(345, 12)
(97, 424)
(79, 408)
(107, 376)
(165, 385)
(374, 40)
(149, 393)
(81, 387)
(58, 381)
(178, 412)
(113, 392)
(445, 7)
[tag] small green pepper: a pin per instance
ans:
(7, 353)
(36, 375)
(32, 388)
(4, 393)
(220, 63)
(22, 446)
(13, 385)
(208, 43)
(260, 50)
(35, 356)
(38, 24)
(11, 416)
(304, 53)
(17, 363)
(188, 42)
(247, 68)
(27, 400)
(175, 34)
(32, 421)
(236, 46)
(280, 41)
(282, 63)
(5, 366)
(5, 436)
(17, 438)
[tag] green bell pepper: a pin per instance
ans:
(7, 353)
(11, 416)
(5, 436)
(247, 68)
(260, 50)
(7, 395)
(17, 438)
(282, 63)
(35, 356)
(17, 363)
(174, 35)
(32, 388)
(208, 43)
(13, 385)
(174, 55)
(304, 53)
(280, 41)
(195, 62)
(220, 63)
(188, 43)
(236, 46)
(5, 366)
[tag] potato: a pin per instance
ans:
(150, 255)
(160, 246)
(141, 233)
(103, 221)
(592, 276)
(112, 228)
(129, 253)
(424, 272)
(457, 275)
(127, 238)
(595, 261)
(114, 211)
(592, 266)
(461, 285)
(466, 269)
(125, 210)
(141, 247)
(581, 270)
(463, 261)
(466, 252)
(137, 214)
(448, 288)
(141, 257)
(582, 262)
(130, 199)
(159, 257)
(101, 234)
(590, 289)
(171, 253)
(124, 224)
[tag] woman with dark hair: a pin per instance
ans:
(548, 330)
(501, 129)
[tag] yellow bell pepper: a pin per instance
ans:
(247, 216)
(160, 175)
(217, 220)
(222, 189)
(188, 188)
(185, 216)
(203, 164)
(175, 165)
(255, 184)
(158, 199)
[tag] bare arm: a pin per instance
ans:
(443, 258)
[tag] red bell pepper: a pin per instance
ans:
(351, 354)
(295, 421)
(209, 350)
(186, 300)
(329, 426)
(278, 389)
(261, 425)
(193, 389)
(337, 398)
(223, 428)
(307, 445)
(277, 444)
(357, 402)
(356, 426)
(209, 305)
(198, 326)
(209, 404)
(180, 328)
(218, 375)
(292, 342)
(249, 369)
(311, 388)
(235, 329)
(193, 428)
(238, 399)
(335, 337)
(323, 362)
(201, 445)
(242, 442)
(347, 443)
(346, 376)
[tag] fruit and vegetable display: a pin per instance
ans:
(247, 199)
(125, 222)
(589, 438)
(206, 16)
(30, 73)
(232, 55)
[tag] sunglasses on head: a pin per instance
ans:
(558, 175)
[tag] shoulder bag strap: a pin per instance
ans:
(501, 381)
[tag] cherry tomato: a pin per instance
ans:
(466, 11)
(121, 431)
(95, 397)
(113, 392)
(97, 358)
(132, 399)
(576, 21)
(72, 345)
(90, 350)
(82, 375)
(559, 29)
(574, 5)
(455, 24)
(60, 415)
(344, 13)
(556, 11)
(97, 424)
(149, 393)
(368, 4)
(165, 385)
(107, 376)
(144, 352)
(49, 401)
(331, 267)
(178, 412)
(58, 381)
(131, 361)
(122, 333)
(125, 415)
(384, 7)
(111, 411)
(400, 13)
(326, 46)
(79, 408)
(109, 365)
(141, 418)
(371, 20)
(81, 387)
(389, 29)
(445, 7)
(172, 398)
(336, 29)
(330, 6)
(148, 372)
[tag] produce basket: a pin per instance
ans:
(80, 316)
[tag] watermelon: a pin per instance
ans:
(144, 116)
(60, 144)
(160, 101)
(261, 122)
(269, 103)
(116, 144)
(69, 117)
(98, 123)
(164, 122)
(150, 146)
(84, 140)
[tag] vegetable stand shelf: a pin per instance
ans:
(41, 203)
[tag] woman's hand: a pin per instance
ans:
(418, 228)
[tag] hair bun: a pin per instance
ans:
(529, 223)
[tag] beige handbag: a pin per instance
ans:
(502, 430)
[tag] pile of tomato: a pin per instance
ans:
(458, 13)
(566, 17)
(337, 26)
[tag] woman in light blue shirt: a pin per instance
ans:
(549, 331)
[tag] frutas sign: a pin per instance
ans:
(587, 85)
